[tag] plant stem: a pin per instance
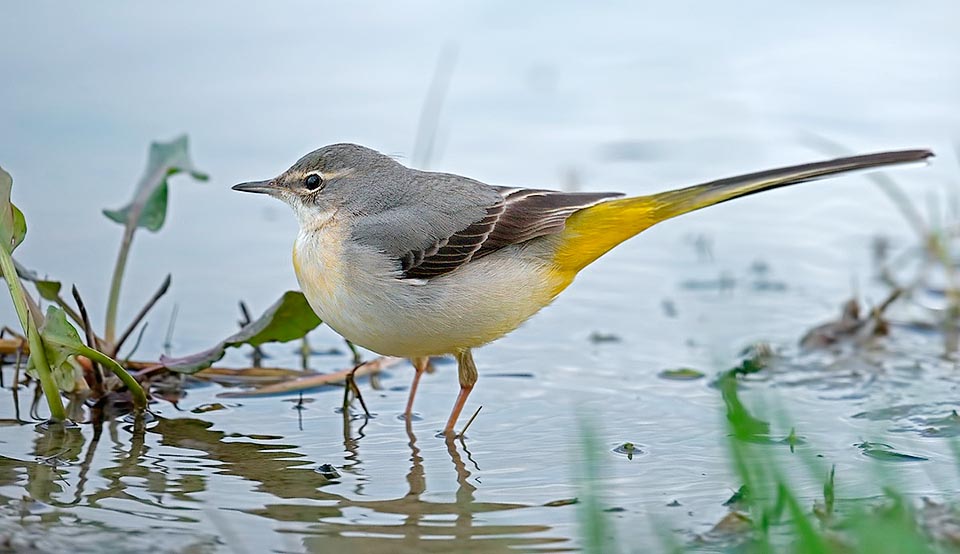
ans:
(29, 325)
(110, 332)
(16, 288)
(139, 397)
(50, 390)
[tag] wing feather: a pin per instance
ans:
(520, 215)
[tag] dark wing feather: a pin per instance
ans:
(521, 215)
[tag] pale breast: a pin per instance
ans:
(357, 292)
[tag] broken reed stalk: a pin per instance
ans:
(257, 358)
(164, 287)
(91, 339)
(168, 339)
(136, 343)
(467, 426)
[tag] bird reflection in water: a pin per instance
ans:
(169, 475)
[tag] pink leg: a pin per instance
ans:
(467, 371)
(420, 365)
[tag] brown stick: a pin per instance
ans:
(313, 381)
(142, 313)
(467, 426)
(91, 339)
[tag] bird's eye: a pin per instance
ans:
(312, 182)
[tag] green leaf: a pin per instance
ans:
(287, 319)
(49, 290)
(61, 342)
(148, 209)
(13, 226)
(154, 212)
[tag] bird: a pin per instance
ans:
(415, 264)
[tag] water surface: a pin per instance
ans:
(635, 97)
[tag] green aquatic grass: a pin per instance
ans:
(595, 526)
(776, 516)
(784, 520)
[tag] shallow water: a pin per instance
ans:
(631, 97)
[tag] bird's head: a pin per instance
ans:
(325, 180)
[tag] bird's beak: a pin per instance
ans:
(261, 187)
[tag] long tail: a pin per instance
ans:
(592, 232)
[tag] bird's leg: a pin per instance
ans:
(420, 365)
(467, 371)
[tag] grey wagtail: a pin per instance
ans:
(415, 264)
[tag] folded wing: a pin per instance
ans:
(520, 215)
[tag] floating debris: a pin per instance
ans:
(734, 524)
(681, 374)
(756, 358)
(597, 337)
(851, 328)
(250, 375)
(885, 452)
(628, 449)
(793, 440)
(562, 502)
(328, 472)
(210, 407)
(946, 426)
(765, 285)
(724, 282)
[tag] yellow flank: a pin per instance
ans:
(592, 232)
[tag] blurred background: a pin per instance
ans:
(624, 96)
(629, 96)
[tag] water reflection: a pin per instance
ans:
(412, 523)
(165, 475)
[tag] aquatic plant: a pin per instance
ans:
(54, 344)
(769, 514)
